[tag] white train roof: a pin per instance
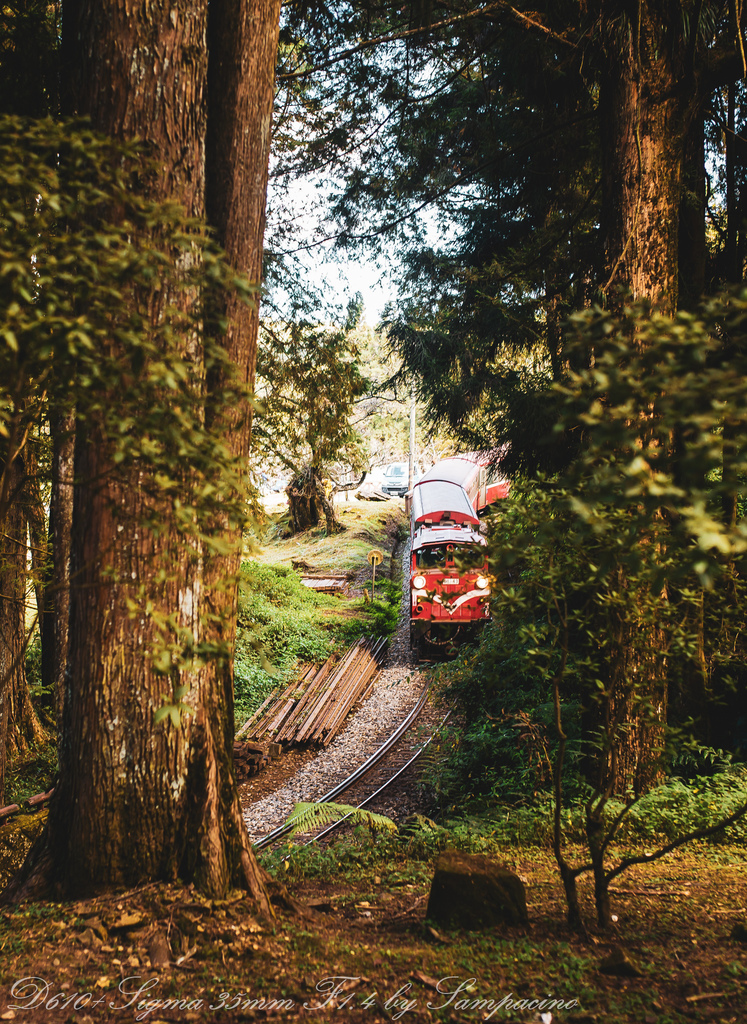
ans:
(436, 500)
(454, 470)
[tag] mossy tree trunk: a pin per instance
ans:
(309, 504)
(139, 800)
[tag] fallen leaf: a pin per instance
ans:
(126, 921)
(424, 979)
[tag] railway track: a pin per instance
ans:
(353, 780)
(379, 791)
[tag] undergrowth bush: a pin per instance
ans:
(384, 610)
(504, 744)
(392, 855)
(680, 806)
(619, 595)
(279, 624)
(282, 623)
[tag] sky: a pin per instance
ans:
(364, 276)
(337, 278)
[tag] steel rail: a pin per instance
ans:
(359, 773)
(336, 824)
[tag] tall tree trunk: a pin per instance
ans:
(242, 45)
(55, 625)
(37, 525)
(139, 800)
(19, 726)
(12, 605)
(242, 40)
(31, 730)
(644, 120)
(692, 233)
(646, 111)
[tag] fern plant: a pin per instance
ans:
(306, 816)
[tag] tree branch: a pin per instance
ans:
(389, 37)
(523, 19)
(701, 833)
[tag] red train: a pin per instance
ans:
(449, 582)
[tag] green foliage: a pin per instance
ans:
(384, 610)
(505, 742)
(469, 159)
(628, 554)
(281, 623)
(307, 816)
(680, 806)
(31, 773)
(670, 810)
(620, 580)
(108, 309)
(33, 663)
(405, 856)
(307, 381)
(174, 708)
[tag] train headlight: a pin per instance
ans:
(482, 582)
(418, 582)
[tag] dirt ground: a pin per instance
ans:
(363, 951)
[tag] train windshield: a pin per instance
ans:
(461, 556)
(469, 556)
(432, 557)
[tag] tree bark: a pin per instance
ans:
(692, 233)
(12, 613)
(19, 725)
(55, 625)
(136, 800)
(647, 107)
(37, 526)
(308, 503)
(242, 40)
(645, 117)
(28, 728)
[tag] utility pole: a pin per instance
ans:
(411, 478)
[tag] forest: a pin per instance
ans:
(555, 194)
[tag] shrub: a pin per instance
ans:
(282, 623)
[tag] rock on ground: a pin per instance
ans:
(471, 891)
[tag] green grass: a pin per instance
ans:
(282, 623)
(366, 526)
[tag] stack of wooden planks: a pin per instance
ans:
(313, 708)
(249, 758)
(325, 584)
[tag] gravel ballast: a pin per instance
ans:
(395, 693)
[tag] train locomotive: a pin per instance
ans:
(449, 581)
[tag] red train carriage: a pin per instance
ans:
(449, 583)
(472, 472)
